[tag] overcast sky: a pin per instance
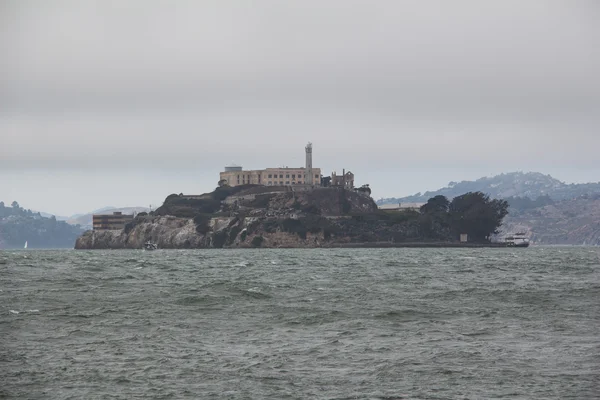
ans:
(124, 102)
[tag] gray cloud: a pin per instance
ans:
(479, 86)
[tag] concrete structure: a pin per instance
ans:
(345, 180)
(284, 176)
(401, 207)
(308, 166)
(235, 175)
(114, 221)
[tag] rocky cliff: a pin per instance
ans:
(253, 216)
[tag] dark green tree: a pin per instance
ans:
(364, 189)
(434, 221)
(477, 215)
(436, 205)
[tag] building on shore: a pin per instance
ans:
(402, 206)
(284, 176)
(307, 176)
(345, 180)
(235, 175)
(115, 221)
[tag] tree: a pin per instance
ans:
(477, 215)
(433, 221)
(364, 189)
(436, 205)
(15, 204)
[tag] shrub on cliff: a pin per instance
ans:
(257, 241)
(261, 200)
(311, 209)
(202, 222)
(270, 226)
(233, 233)
(219, 239)
(294, 226)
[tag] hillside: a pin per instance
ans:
(18, 225)
(575, 222)
(514, 184)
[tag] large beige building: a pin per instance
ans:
(235, 175)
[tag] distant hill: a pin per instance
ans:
(515, 184)
(47, 215)
(573, 221)
(85, 220)
(18, 225)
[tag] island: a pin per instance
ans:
(257, 216)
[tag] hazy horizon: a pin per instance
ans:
(123, 104)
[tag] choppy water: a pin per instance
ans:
(322, 324)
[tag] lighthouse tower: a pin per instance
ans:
(309, 169)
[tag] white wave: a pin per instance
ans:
(33, 310)
(13, 312)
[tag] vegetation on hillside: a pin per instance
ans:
(474, 213)
(530, 185)
(575, 222)
(18, 225)
(521, 204)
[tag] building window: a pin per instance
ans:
(293, 176)
(287, 176)
(281, 183)
(270, 175)
(287, 182)
(281, 176)
(316, 176)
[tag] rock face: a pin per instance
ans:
(255, 217)
(167, 232)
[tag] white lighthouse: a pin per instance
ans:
(309, 180)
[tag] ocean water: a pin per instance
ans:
(301, 324)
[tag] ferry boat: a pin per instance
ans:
(150, 246)
(516, 240)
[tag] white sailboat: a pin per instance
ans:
(25, 245)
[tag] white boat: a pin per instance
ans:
(25, 245)
(516, 240)
(150, 246)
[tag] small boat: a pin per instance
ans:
(25, 245)
(150, 246)
(516, 240)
